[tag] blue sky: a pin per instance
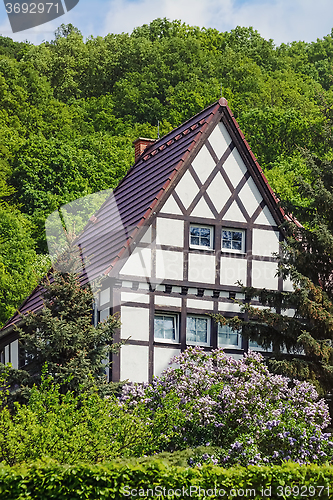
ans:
(281, 20)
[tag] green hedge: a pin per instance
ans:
(51, 480)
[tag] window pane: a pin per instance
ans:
(236, 236)
(200, 236)
(233, 239)
(197, 330)
(205, 231)
(205, 242)
(202, 336)
(165, 327)
(195, 231)
(158, 328)
(228, 336)
(169, 328)
(237, 245)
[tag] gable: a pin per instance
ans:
(218, 185)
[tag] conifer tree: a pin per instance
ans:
(63, 336)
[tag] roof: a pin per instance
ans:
(109, 235)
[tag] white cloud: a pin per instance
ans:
(282, 20)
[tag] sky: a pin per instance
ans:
(282, 20)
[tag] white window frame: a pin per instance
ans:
(230, 346)
(198, 316)
(233, 250)
(176, 320)
(203, 247)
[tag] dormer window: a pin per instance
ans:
(201, 237)
(233, 240)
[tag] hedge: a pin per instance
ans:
(156, 479)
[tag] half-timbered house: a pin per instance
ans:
(192, 218)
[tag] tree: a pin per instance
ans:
(20, 267)
(63, 336)
(299, 324)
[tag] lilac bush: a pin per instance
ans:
(250, 415)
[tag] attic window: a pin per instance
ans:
(233, 240)
(201, 236)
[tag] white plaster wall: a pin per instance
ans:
(235, 167)
(146, 238)
(229, 307)
(187, 189)
(201, 209)
(104, 296)
(134, 363)
(170, 232)
(201, 268)
(265, 242)
(169, 265)
(265, 217)
(218, 192)
(250, 196)
(14, 354)
(234, 213)
(171, 207)
(263, 275)
(200, 304)
(162, 357)
(138, 264)
(203, 164)
(219, 139)
(165, 300)
(134, 323)
(232, 270)
(135, 297)
(288, 285)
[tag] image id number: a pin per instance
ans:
(302, 491)
(31, 8)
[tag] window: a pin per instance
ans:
(233, 240)
(198, 330)
(201, 236)
(254, 346)
(166, 327)
(228, 337)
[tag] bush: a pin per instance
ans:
(46, 481)
(252, 416)
(66, 427)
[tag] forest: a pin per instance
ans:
(70, 109)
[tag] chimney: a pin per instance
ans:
(141, 144)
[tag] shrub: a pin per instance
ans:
(253, 416)
(66, 427)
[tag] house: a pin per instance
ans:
(192, 217)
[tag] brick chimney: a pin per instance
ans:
(140, 145)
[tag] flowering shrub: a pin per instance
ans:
(251, 415)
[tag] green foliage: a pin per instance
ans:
(46, 480)
(20, 267)
(66, 428)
